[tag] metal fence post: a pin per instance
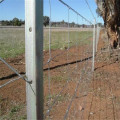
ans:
(34, 58)
(93, 61)
(96, 36)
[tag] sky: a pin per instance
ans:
(10, 9)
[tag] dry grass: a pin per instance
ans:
(12, 40)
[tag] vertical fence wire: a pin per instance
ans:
(76, 71)
(49, 73)
(68, 43)
(93, 63)
(77, 44)
(88, 72)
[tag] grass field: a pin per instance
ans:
(12, 40)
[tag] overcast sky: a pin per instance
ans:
(15, 8)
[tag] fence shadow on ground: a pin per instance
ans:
(51, 68)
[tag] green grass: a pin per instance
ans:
(56, 78)
(59, 39)
(15, 113)
(12, 40)
(60, 98)
(14, 110)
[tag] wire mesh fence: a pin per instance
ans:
(69, 51)
(69, 65)
(12, 71)
(10, 38)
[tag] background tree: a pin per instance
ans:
(110, 12)
(72, 24)
(46, 20)
(98, 12)
(16, 22)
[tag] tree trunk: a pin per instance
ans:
(110, 11)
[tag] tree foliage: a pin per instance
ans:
(98, 12)
(14, 22)
(46, 21)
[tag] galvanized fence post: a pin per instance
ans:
(34, 58)
(93, 61)
(96, 37)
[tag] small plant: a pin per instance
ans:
(60, 78)
(14, 110)
(60, 98)
(23, 117)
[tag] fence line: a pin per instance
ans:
(84, 63)
(50, 107)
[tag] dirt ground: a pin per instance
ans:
(90, 96)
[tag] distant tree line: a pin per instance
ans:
(14, 22)
(65, 24)
(46, 21)
(18, 22)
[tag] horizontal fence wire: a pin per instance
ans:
(56, 98)
(90, 9)
(11, 68)
(67, 51)
(74, 95)
(49, 43)
(76, 12)
(52, 58)
(1, 86)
